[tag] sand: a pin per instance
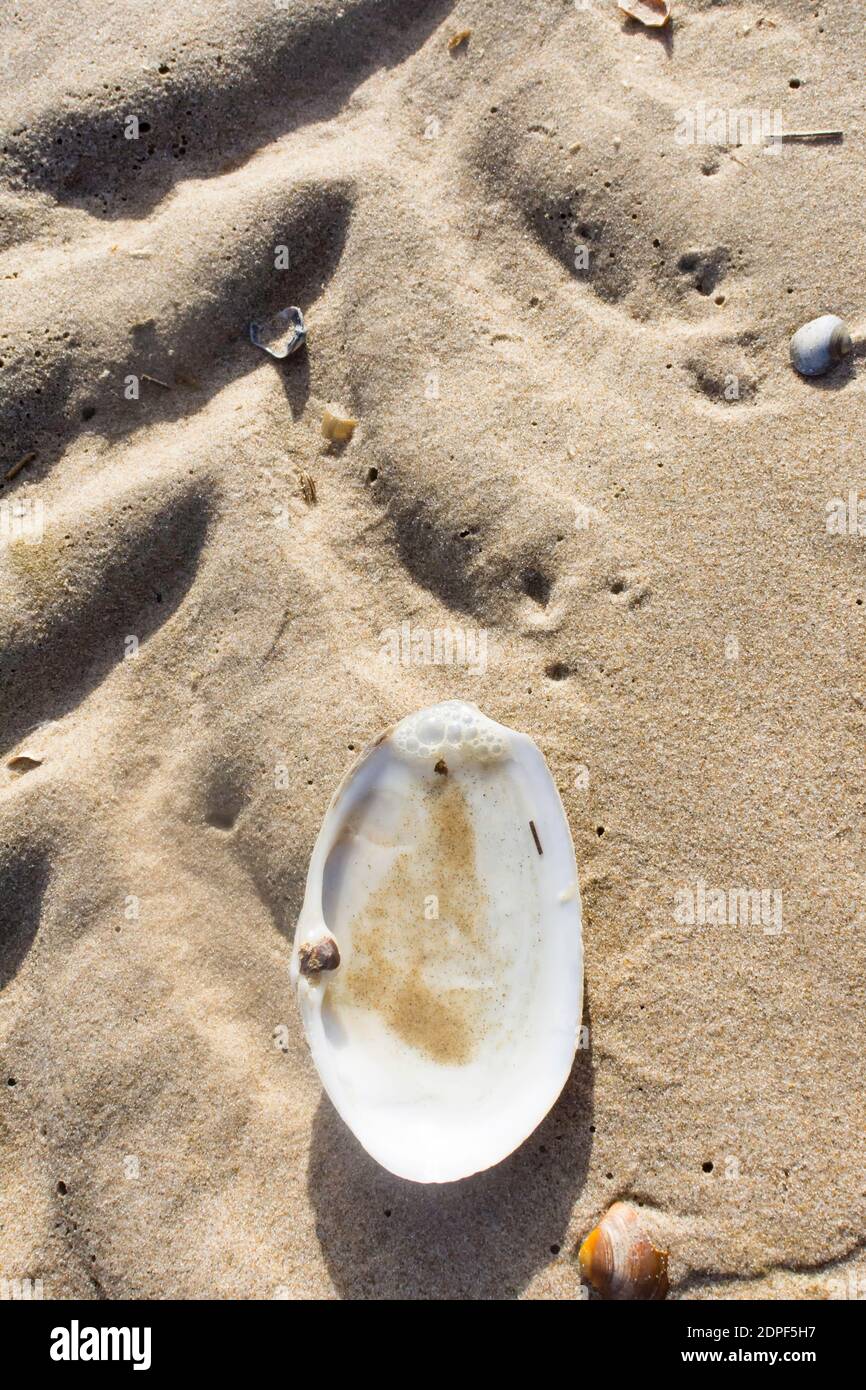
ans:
(609, 469)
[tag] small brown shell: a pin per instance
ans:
(336, 426)
(324, 955)
(651, 12)
(620, 1260)
(307, 485)
(25, 762)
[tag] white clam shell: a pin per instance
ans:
(444, 871)
(820, 344)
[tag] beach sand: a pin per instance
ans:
(604, 463)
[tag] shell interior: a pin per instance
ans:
(445, 873)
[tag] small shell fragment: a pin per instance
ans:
(24, 762)
(619, 1259)
(820, 344)
(653, 13)
(307, 484)
(336, 426)
(280, 335)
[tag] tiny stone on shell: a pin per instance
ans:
(324, 955)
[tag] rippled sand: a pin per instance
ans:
(603, 463)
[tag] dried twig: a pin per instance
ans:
(790, 136)
(22, 463)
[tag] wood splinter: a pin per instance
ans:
(790, 136)
(22, 463)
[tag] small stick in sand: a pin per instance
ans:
(22, 463)
(156, 381)
(786, 137)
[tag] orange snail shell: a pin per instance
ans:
(620, 1260)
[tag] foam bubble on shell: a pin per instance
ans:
(451, 727)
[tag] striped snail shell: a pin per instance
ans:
(619, 1259)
